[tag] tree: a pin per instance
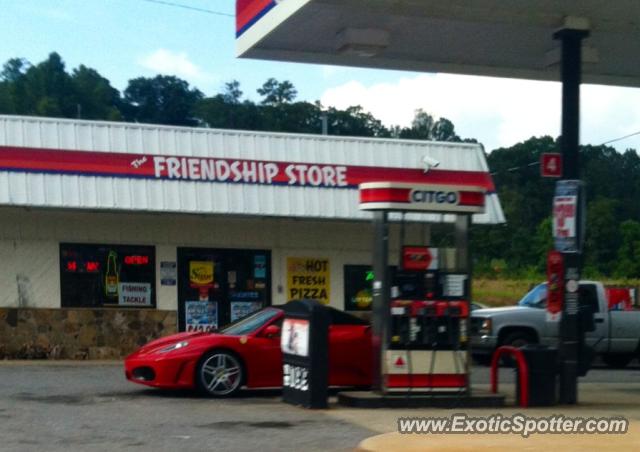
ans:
(232, 93)
(602, 240)
(161, 100)
(628, 259)
(45, 90)
(426, 127)
(96, 98)
(277, 93)
(354, 121)
(14, 69)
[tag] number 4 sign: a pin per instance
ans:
(551, 164)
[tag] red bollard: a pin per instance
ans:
(523, 371)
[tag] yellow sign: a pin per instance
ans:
(201, 273)
(308, 279)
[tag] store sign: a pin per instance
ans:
(221, 170)
(421, 198)
(308, 279)
(134, 294)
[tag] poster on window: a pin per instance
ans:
(201, 315)
(134, 294)
(294, 338)
(308, 279)
(240, 309)
(201, 273)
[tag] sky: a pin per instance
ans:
(124, 39)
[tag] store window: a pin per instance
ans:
(107, 275)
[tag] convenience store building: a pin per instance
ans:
(112, 234)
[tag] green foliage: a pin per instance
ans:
(628, 258)
(161, 100)
(276, 93)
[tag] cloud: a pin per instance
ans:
(167, 62)
(498, 112)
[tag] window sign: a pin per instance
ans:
(134, 294)
(308, 279)
(358, 287)
(107, 275)
(201, 315)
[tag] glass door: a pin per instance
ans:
(219, 286)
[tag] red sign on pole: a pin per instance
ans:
(551, 164)
(555, 284)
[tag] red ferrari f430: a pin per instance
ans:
(247, 354)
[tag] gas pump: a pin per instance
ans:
(421, 317)
(428, 333)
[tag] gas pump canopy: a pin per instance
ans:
(504, 38)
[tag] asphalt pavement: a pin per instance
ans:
(89, 406)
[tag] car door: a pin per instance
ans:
(589, 299)
(266, 359)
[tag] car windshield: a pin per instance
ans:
(536, 298)
(251, 323)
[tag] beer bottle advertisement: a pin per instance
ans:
(111, 277)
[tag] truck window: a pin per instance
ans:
(536, 298)
(589, 297)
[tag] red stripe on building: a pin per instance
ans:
(427, 381)
(384, 195)
(471, 198)
(92, 163)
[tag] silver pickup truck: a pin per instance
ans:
(616, 338)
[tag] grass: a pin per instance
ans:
(500, 292)
(507, 292)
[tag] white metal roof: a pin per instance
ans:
(505, 38)
(85, 191)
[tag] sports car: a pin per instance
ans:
(247, 354)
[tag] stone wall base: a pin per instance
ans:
(27, 333)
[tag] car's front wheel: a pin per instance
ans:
(219, 374)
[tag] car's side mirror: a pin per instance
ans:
(272, 331)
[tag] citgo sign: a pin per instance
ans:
(421, 197)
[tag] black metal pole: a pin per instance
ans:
(571, 69)
(381, 314)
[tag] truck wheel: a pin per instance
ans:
(518, 339)
(617, 361)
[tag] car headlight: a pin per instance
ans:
(176, 346)
(485, 327)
